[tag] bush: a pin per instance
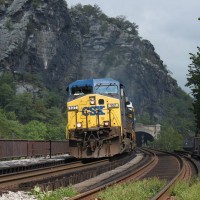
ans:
(35, 130)
(139, 190)
(186, 191)
(54, 195)
(168, 140)
(10, 128)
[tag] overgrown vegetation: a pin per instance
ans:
(187, 190)
(169, 140)
(194, 84)
(30, 115)
(96, 11)
(139, 190)
(177, 112)
(54, 195)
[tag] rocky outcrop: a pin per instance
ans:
(111, 50)
(57, 45)
(36, 38)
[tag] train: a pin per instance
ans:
(192, 146)
(196, 147)
(100, 119)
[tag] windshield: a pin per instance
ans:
(106, 89)
(81, 90)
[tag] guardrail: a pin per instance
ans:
(32, 148)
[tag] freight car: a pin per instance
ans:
(100, 119)
(192, 146)
(196, 147)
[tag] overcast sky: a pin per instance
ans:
(172, 27)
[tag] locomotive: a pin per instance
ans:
(100, 119)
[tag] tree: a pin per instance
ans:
(7, 88)
(10, 128)
(35, 130)
(194, 84)
(168, 140)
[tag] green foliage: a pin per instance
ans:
(7, 88)
(145, 189)
(194, 84)
(145, 118)
(35, 116)
(56, 132)
(187, 191)
(54, 195)
(7, 78)
(35, 130)
(177, 112)
(6, 95)
(124, 24)
(56, 124)
(10, 128)
(89, 10)
(168, 140)
(95, 11)
(23, 107)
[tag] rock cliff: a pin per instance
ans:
(111, 47)
(36, 38)
(58, 45)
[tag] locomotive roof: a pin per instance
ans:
(93, 82)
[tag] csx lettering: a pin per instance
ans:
(93, 110)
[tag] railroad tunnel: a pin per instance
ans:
(142, 138)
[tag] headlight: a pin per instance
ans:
(113, 105)
(72, 107)
(79, 125)
(92, 100)
(106, 123)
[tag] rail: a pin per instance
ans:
(153, 168)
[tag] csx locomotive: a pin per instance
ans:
(100, 119)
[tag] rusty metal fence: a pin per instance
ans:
(32, 148)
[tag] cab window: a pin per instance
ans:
(106, 89)
(76, 91)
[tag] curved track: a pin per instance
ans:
(61, 175)
(160, 164)
(13, 181)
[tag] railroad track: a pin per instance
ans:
(13, 181)
(15, 166)
(158, 165)
(61, 175)
(187, 169)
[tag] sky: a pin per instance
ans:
(172, 27)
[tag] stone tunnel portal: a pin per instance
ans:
(142, 138)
